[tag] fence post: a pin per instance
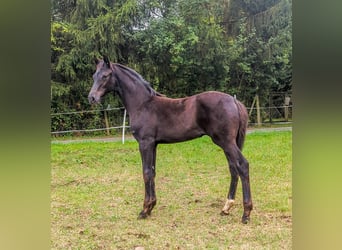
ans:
(106, 121)
(250, 112)
(258, 110)
(286, 107)
(270, 108)
(123, 127)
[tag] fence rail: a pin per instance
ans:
(85, 121)
(87, 130)
(87, 111)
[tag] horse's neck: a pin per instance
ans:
(133, 95)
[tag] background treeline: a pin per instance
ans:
(182, 47)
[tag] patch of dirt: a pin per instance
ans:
(140, 235)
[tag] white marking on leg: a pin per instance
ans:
(229, 204)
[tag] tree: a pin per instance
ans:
(182, 47)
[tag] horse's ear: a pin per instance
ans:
(106, 60)
(96, 60)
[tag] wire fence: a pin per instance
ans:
(270, 115)
(112, 121)
(80, 113)
(95, 122)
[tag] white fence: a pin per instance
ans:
(123, 126)
(106, 117)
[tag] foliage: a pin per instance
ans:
(182, 47)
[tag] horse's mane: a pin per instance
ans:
(139, 79)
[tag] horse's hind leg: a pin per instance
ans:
(239, 162)
(238, 165)
(232, 190)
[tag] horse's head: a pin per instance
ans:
(104, 80)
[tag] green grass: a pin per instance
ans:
(97, 192)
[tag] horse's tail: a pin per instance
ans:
(243, 114)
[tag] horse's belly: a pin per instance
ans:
(178, 133)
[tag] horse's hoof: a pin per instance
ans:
(142, 215)
(224, 213)
(245, 220)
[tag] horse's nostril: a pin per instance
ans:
(91, 99)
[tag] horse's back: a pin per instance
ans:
(213, 96)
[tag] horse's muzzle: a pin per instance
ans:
(92, 99)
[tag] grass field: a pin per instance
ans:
(97, 192)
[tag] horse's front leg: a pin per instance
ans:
(148, 156)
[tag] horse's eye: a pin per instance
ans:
(105, 77)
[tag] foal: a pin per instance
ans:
(156, 119)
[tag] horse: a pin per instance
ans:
(155, 119)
